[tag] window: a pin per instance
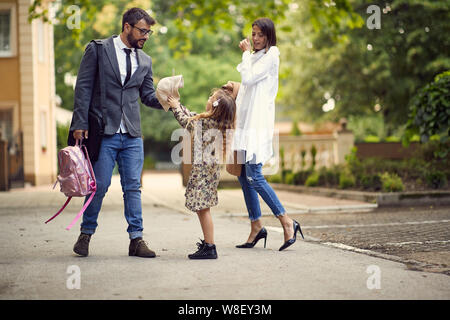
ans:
(7, 30)
(41, 40)
(6, 124)
(43, 130)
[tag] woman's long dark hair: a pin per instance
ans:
(268, 29)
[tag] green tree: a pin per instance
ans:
(365, 71)
(211, 63)
(430, 112)
(198, 39)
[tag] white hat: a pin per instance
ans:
(169, 87)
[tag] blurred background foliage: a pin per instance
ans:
(332, 64)
(371, 75)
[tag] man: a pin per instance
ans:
(108, 85)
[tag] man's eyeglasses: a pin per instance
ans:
(143, 31)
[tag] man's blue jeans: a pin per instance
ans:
(253, 183)
(129, 154)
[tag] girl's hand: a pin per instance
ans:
(245, 45)
(174, 103)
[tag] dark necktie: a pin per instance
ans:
(128, 52)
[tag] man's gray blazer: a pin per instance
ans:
(117, 98)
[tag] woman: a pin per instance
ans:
(255, 119)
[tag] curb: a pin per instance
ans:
(392, 199)
(409, 263)
(313, 210)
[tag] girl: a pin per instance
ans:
(201, 189)
(255, 121)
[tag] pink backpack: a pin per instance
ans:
(76, 177)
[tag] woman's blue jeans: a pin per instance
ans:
(128, 151)
(253, 183)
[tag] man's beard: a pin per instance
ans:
(135, 42)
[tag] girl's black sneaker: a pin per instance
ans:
(205, 251)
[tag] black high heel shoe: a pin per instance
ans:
(291, 241)
(261, 234)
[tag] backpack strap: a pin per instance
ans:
(86, 204)
(90, 167)
(60, 210)
(99, 45)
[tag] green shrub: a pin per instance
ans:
(282, 162)
(328, 177)
(362, 126)
(419, 182)
(62, 133)
(366, 181)
(346, 180)
(301, 176)
(322, 179)
(149, 163)
(289, 178)
(295, 131)
(303, 156)
(414, 168)
(392, 139)
(391, 182)
(371, 138)
(429, 113)
(372, 182)
(313, 156)
(430, 151)
(284, 174)
(353, 162)
(333, 174)
(312, 180)
(408, 169)
(276, 178)
(436, 179)
(376, 182)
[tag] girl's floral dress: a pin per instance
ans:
(201, 189)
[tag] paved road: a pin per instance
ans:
(418, 236)
(36, 260)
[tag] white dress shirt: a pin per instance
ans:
(122, 60)
(255, 104)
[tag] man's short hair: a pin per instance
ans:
(133, 15)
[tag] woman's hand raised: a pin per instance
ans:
(245, 45)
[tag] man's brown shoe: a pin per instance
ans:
(139, 248)
(82, 245)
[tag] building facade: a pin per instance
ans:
(27, 95)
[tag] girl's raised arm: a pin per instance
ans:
(181, 113)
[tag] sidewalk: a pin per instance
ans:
(35, 258)
(231, 201)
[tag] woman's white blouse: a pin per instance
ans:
(255, 104)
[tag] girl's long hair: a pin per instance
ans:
(224, 113)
